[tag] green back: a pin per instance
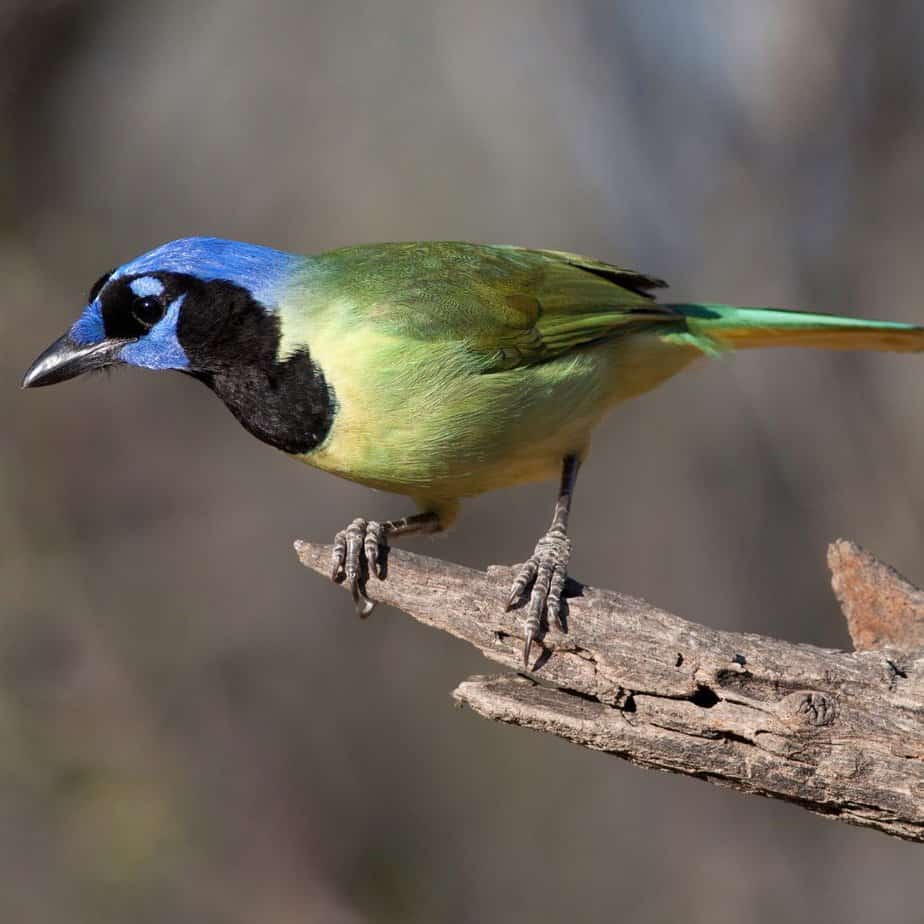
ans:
(510, 305)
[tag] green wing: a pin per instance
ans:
(510, 305)
(564, 301)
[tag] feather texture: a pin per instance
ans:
(460, 368)
(433, 369)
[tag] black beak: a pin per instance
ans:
(65, 359)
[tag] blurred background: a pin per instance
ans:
(195, 728)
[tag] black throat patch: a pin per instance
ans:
(232, 343)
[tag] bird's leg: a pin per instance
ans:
(357, 551)
(546, 571)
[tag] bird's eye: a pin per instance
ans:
(148, 311)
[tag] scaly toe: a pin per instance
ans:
(338, 557)
(543, 576)
(524, 580)
(553, 601)
(356, 554)
(533, 625)
(374, 542)
(355, 534)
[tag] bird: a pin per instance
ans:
(436, 370)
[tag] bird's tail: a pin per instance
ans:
(717, 328)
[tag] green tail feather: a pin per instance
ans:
(718, 328)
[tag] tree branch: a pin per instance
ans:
(839, 733)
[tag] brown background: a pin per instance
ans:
(193, 728)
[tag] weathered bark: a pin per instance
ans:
(882, 608)
(840, 733)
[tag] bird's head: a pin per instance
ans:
(210, 308)
(186, 305)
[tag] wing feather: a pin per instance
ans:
(511, 306)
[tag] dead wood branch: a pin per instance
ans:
(840, 733)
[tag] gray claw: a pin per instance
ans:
(544, 576)
(527, 644)
(364, 606)
(356, 553)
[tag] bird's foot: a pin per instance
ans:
(543, 576)
(356, 555)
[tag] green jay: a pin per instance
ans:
(435, 370)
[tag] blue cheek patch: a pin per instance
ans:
(160, 347)
(89, 326)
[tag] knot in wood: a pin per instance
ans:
(808, 709)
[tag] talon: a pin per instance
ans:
(355, 555)
(364, 606)
(357, 552)
(533, 624)
(553, 612)
(527, 645)
(543, 576)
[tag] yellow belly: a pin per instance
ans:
(422, 421)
